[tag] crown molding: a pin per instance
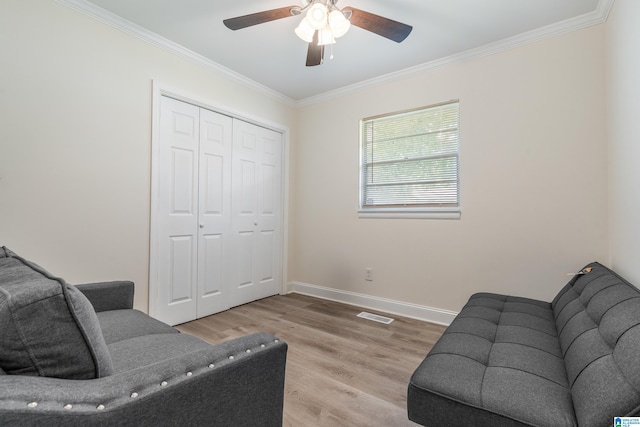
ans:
(596, 17)
(119, 23)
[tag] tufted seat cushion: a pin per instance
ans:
(499, 361)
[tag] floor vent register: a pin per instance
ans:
(375, 317)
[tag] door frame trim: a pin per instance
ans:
(159, 90)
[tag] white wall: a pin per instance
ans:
(623, 45)
(533, 181)
(75, 143)
(75, 139)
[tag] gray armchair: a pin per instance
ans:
(149, 375)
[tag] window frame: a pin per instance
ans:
(407, 211)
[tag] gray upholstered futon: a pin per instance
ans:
(82, 356)
(509, 361)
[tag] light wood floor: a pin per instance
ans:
(342, 370)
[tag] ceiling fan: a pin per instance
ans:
(323, 23)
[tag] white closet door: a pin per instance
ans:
(214, 247)
(256, 208)
(177, 212)
(217, 236)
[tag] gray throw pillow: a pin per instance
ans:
(47, 327)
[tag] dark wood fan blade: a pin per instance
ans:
(393, 30)
(315, 53)
(258, 18)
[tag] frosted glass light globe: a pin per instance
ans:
(338, 23)
(317, 16)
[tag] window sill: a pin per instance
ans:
(410, 213)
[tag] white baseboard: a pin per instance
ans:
(414, 311)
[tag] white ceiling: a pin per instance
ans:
(273, 56)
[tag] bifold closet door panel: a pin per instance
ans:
(257, 212)
(214, 201)
(177, 212)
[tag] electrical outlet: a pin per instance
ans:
(368, 274)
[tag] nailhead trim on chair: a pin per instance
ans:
(165, 383)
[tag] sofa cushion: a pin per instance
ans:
(49, 328)
(146, 350)
(498, 363)
(120, 325)
(598, 320)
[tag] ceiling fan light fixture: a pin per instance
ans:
(323, 23)
(305, 31)
(339, 23)
(317, 16)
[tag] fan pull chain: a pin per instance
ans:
(331, 56)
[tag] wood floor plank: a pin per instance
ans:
(342, 370)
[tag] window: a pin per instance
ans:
(409, 163)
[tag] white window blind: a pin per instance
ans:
(410, 159)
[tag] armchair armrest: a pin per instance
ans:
(104, 296)
(238, 382)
